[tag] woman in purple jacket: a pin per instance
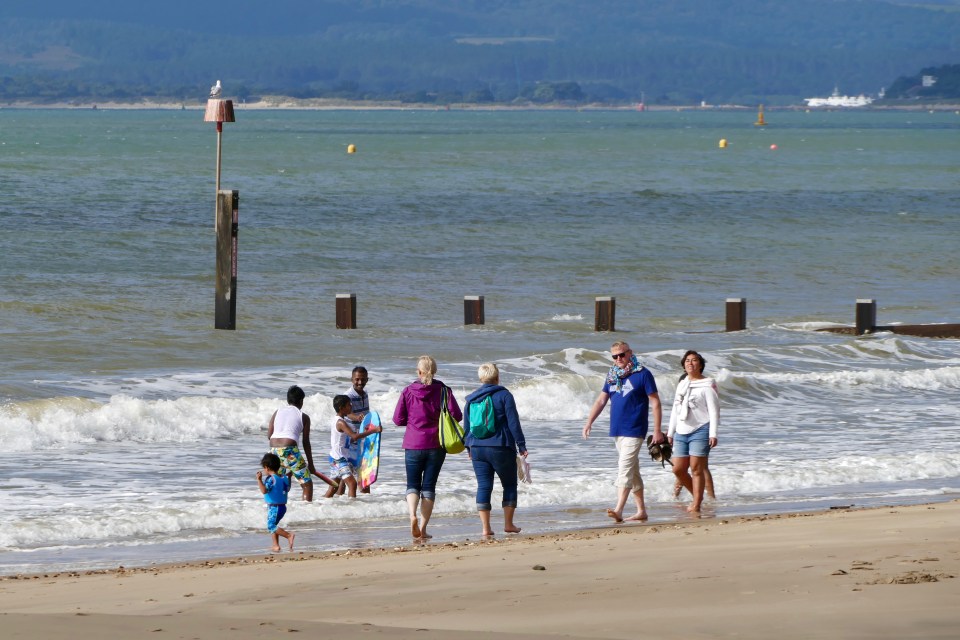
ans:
(419, 411)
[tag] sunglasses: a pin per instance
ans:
(617, 356)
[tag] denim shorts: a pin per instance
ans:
(692, 444)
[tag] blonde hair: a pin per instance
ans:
(426, 368)
(620, 343)
(488, 373)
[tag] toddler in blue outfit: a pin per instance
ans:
(274, 488)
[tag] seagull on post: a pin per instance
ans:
(215, 90)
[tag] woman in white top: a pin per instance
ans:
(693, 426)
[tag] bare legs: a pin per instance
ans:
(350, 483)
(623, 493)
(691, 473)
(282, 533)
(418, 526)
(426, 510)
(508, 525)
(413, 500)
(707, 482)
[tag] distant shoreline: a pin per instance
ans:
(280, 103)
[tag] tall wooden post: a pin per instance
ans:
(473, 310)
(866, 318)
(346, 311)
(228, 224)
(736, 314)
(219, 111)
(605, 313)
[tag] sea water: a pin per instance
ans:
(133, 429)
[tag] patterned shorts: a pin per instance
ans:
(275, 513)
(341, 468)
(292, 461)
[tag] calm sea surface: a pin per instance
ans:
(138, 427)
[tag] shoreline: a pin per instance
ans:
(282, 103)
(880, 572)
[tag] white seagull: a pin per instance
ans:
(215, 90)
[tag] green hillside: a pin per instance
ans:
(616, 51)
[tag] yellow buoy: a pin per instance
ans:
(723, 143)
(351, 148)
(760, 121)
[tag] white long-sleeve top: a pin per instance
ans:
(696, 403)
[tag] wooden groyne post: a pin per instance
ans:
(865, 322)
(605, 313)
(346, 311)
(736, 314)
(225, 224)
(473, 312)
(228, 225)
(866, 316)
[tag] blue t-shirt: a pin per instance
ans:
(629, 406)
(277, 489)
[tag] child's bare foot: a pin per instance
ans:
(693, 508)
(415, 529)
(613, 514)
(677, 488)
(424, 535)
(276, 549)
(290, 540)
(511, 529)
(487, 534)
(638, 516)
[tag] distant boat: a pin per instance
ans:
(837, 100)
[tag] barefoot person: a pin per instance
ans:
(419, 411)
(632, 393)
(693, 427)
(288, 427)
(275, 488)
(341, 436)
(494, 442)
(707, 476)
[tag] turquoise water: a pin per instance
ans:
(106, 301)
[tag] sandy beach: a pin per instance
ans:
(874, 573)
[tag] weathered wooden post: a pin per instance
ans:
(225, 222)
(736, 314)
(605, 313)
(866, 319)
(346, 311)
(473, 310)
(228, 224)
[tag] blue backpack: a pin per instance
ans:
(482, 424)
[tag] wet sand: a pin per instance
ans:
(874, 573)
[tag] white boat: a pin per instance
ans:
(837, 100)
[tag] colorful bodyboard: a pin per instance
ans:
(368, 462)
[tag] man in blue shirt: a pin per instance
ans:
(632, 393)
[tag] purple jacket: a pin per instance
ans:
(419, 411)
